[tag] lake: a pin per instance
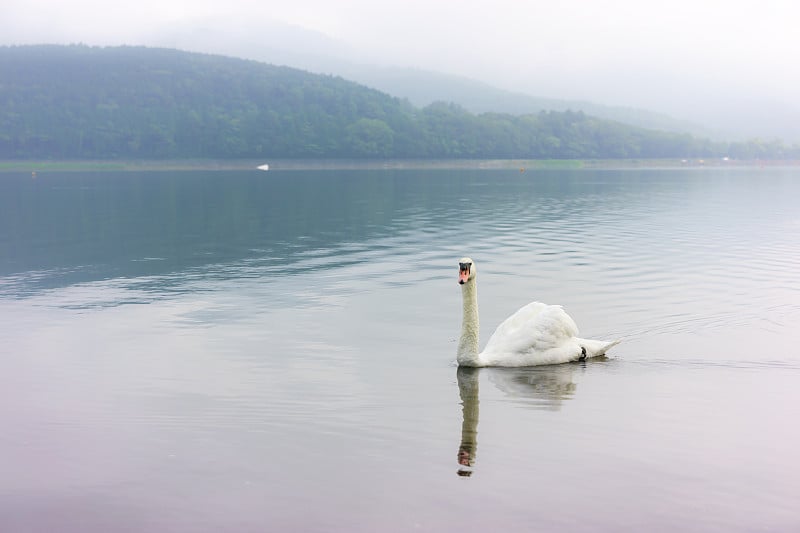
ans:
(249, 351)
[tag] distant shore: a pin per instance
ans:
(357, 164)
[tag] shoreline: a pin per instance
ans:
(387, 164)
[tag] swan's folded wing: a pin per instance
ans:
(537, 327)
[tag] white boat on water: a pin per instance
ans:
(263, 167)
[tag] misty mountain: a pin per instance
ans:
(422, 88)
(724, 116)
(65, 102)
(282, 44)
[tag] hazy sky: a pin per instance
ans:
(630, 52)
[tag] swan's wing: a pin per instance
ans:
(537, 327)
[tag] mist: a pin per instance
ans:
(727, 66)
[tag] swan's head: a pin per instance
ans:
(466, 270)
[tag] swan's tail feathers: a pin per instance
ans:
(595, 348)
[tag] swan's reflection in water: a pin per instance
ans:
(540, 387)
(468, 389)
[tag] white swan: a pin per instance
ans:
(537, 334)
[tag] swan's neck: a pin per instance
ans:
(468, 344)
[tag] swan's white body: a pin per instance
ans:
(537, 334)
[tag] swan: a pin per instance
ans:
(537, 334)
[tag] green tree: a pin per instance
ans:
(369, 137)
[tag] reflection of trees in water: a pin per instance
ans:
(134, 224)
(541, 387)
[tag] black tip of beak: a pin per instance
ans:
(461, 282)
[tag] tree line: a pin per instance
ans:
(81, 102)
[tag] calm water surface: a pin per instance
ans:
(203, 352)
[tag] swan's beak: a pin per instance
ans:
(464, 270)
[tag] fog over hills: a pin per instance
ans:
(161, 103)
(713, 68)
(726, 117)
(293, 46)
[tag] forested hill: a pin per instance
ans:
(70, 102)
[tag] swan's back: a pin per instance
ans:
(536, 334)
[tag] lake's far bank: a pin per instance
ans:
(371, 164)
